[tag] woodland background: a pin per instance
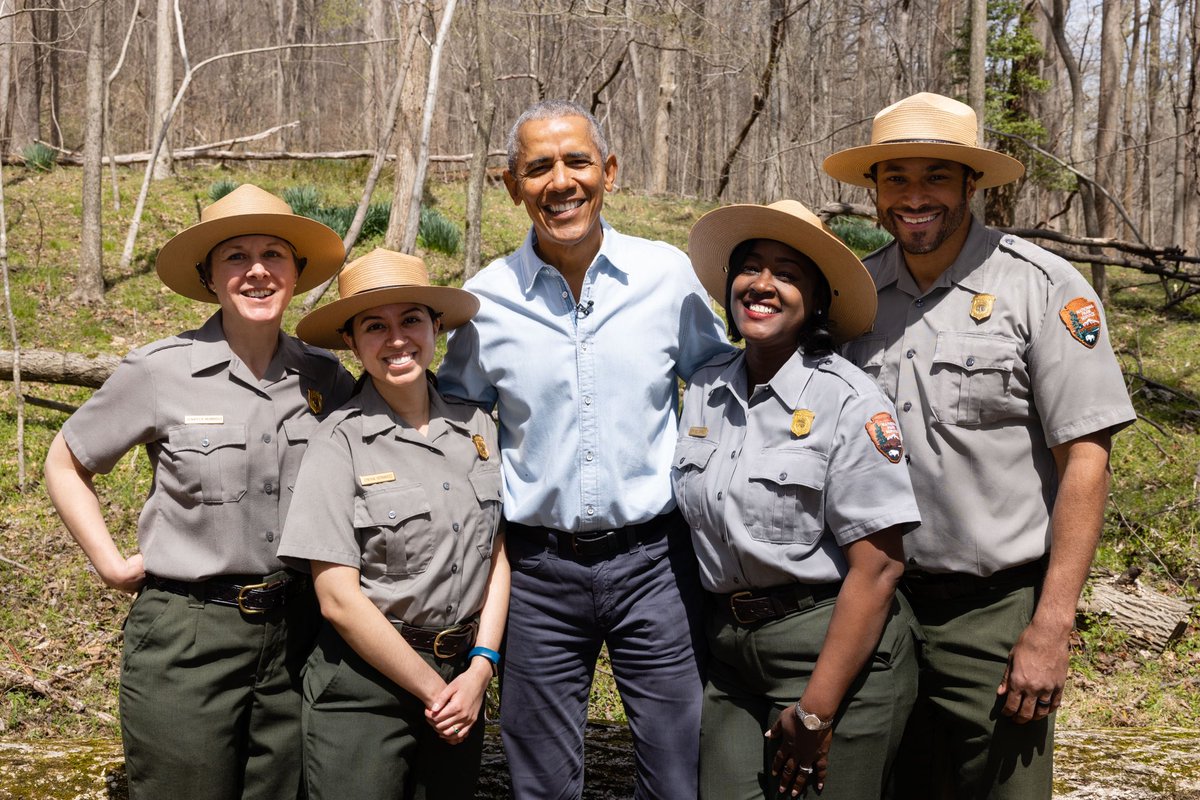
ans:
(389, 117)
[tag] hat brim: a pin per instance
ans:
(854, 165)
(314, 241)
(717, 233)
(321, 326)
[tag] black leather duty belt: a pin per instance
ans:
(926, 586)
(764, 605)
(595, 544)
(445, 643)
(250, 595)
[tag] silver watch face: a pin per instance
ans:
(811, 721)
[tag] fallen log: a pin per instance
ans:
(1151, 619)
(51, 366)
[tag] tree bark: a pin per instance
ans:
(50, 366)
(89, 278)
(1112, 47)
(164, 81)
(25, 126)
(485, 116)
(405, 137)
(1151, 620)
(661, 138)
(977, 83)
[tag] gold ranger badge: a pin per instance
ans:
(315, 401)
(802, 420)
(480, 446)
(981, 306)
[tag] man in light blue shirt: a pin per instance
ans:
(581, 338)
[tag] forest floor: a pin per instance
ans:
(60, 629)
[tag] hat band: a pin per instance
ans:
(384, 288)
(923, 141)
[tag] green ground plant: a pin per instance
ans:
(60, 629)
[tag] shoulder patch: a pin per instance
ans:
(1082, 319)
(885, 435)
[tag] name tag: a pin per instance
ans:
(378, 477)
(698, 431)
(204, 419)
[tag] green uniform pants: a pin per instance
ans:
(958, 744)
(368, 739)
(756, 671)
(210, 698)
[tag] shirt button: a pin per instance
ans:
(970, 361)
(907, 406)
(591, 511)
(204, 442)
(564, 295)
(587, 399)
(911, 353)
(453, 568)
(912, 562)
(267, 438)
(920, 302)
(456, 527)
(733, 453)
(783, 476)
(583, 346)
(268, 488)
(907, 458)
(449, 609)
(446, 485)
(681, 461)
(391, 515)
(270, 536)
(589, 455)
(720, 495)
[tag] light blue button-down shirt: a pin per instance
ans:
(587, 392)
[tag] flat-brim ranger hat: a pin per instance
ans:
(248, 210)
(924, 125)
(717, 233)
(380, 278)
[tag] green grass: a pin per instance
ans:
(59, 625)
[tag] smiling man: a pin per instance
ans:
(996, 355)
(579, 343)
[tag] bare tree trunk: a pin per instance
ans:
(1153, 91)
(6, 59)
(435, 61)
(661, 152)
(26, 108)
(164, 80)
(1112, 47)
(89, 282)
(485, 116)
(6, 33)
(977, 84)
(133, 18)
(405, 138)
(374, 67)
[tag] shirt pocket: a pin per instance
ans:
(971, 376)
(485, 480)
(402, 516)
(687, 475)
(210, 461)
(296, 431)
(785, 498)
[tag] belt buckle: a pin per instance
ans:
(733, 609)
(437, 641)
(594, 537)
(241, 598)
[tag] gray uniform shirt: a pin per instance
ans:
(225, 446)
(774, 482)
(416, 515)
(1006, 356)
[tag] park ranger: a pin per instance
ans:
(997, 356)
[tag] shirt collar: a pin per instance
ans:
(211, 349)
(788, 384)
(529, 265)
(968, 269)
(378, 417)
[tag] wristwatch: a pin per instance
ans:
(811, 721)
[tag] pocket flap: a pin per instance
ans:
(790, 467)
(866, 352)
(299, 429)
(390, 507)
(975, 351)
(694, 453)
(485, 480)
(206, 438)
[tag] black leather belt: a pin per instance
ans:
(444, 643)
(924, 586)
(763, 605)
(251, 595)
(595, 544)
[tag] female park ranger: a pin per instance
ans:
(397, 508)
(790, 472)
(214, 642)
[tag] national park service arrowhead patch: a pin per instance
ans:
(1082, 319)
(885, 435)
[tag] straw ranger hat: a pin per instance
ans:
(248, 210)
(924, 125)
(380, 278)
(717, 233)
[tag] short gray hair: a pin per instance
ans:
(554, 109)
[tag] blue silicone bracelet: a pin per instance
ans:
(491, 655)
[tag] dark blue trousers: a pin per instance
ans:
(645, 606)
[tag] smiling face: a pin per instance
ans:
(253, 277)
(561, 179)
(772, 295)
(923, 203)
(395, 344)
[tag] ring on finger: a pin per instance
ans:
(806, 770)
(1044, 703)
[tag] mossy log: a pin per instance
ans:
(1151, 619)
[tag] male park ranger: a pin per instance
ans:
(997, 357)
(581, 338)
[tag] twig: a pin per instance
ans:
(16, 564)
(58, 695)
(1149, 438)
(54, 405)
